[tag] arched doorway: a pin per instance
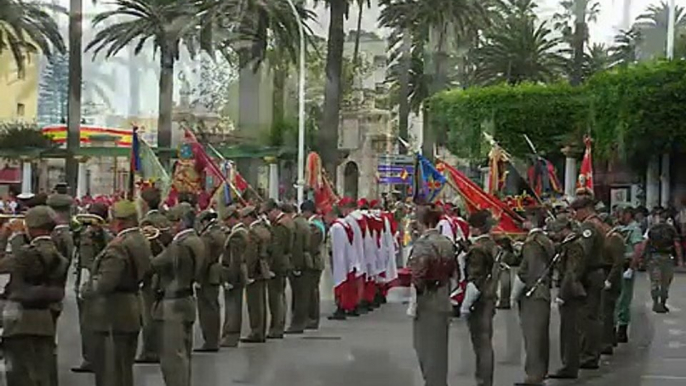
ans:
(351, 177)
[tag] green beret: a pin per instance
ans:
(40, 216)
(60, 201)
(176, 213)
(124, 210)
(560, 222)
(230, 211)
(248, 211)
(207, 215)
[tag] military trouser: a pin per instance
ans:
(233, 316)
(608, 306)
(86, 333)
(276, 287)
(314, 310)
(505, 285)
(480, 323)
(28, 360)
(430, 336)
(256, 297)
(591, 320)
(570, 332)
(661, 270)
(299, 301)
(623, 308)
(209, 315)
(149, 334)
(113, 357)
(534, 315)
(176, 344)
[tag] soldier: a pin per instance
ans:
(658, 249)
(532, 290)
(506, 273)
(592, 237)
(62, 205)
(91, 239)
(258, 273)
(314, 274)
(233, 262)
(633, 237)
(301, 263)
(37, 278)
(149, 203)
(612, 266)
(479, 303)
(179, 268)
(432, 263)
(209, 316)
(112, 298)
(280, 264)
(571, 296)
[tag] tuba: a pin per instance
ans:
(150, 232)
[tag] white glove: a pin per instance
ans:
(608, 285)
(517, 289)
(227, 286)
(470, 297)
(628, 274)
(85, 275)
(559, 301)
(412, 306)
(297, 273)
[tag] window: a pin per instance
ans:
(20, 109)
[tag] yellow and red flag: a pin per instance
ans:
(324, 195)
(584, 184)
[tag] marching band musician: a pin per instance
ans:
(112, 298)
(432, 263)
(314, 274)
(209, 316)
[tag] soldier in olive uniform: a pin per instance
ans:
(480, 294)
(233, 262)
(179, 268)
(612, 267)
(432, 263)
(533, 295)
(301, 263)
(571, 296)
(209, 315)
(37, 278)
(258, 273)
(91, 239)
(314, 274)
(593, 238)
(112, 298)
(280, 264)
(149, 203)
(62, 205)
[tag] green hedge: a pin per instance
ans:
(636, 111)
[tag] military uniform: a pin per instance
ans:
(149, 334)
(233, 262)
(259, 238)
(209, 314)
(623, 311)
(480, 260)
(280, 264)
(314, 274)
(660, 263)
(112, 305)
(301, 262)
(571, 296)
(613, 264)
(37, 278)
(593, 241)
(178, 268)
(534, 310)
(432, 264)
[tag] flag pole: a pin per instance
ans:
(221, 157)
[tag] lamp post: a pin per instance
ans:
(301, 107)
(671, 25)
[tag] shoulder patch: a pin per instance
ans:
(587, 233)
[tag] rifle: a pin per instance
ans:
(545, 274)
(491, 279)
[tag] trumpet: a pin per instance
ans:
(150, 232)
(89, 219)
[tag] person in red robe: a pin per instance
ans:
(343, 261)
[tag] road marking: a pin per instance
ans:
(675, 344)
(676, 332)
(671, 322)
(664, 377)
(674, 308)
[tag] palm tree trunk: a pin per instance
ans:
(279, 94)
(439, 82)
(356, 50)
(74, 102)
(328, 132)
(134, 85)
(580, 34)
(166, 102)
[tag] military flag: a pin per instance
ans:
(318, 183)
(584, 185)
(507, 183)
(543, 178)
(428, 181)
(146, 168)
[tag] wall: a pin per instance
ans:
(15, 91)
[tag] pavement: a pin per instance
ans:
(376, 350)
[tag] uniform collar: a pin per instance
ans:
(480, 237)
(127, 230)
(535, 230)
(61, 226)
(280, 216)
(183, 233)
(313, 218)
(256, 222)
(152, 211)
(35, 240)
(239, 226)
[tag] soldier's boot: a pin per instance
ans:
(622, 336)
(657, 306)
(339, 314)
(607, 351)
(663, 300)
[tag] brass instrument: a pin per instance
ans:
(150, 232)
(90, 219)
(16, 221)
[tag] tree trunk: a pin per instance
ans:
(74, 102)
(579, 42)
(404, 105)
(328, 131)
(134, 85)
(356, 50)
(279, 95)
(439, 83)
(165, 105)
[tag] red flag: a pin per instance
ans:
(324, 195)
(203, 162)
(585, 182)
(476, 199)
(240, 182)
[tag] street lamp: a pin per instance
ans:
(301, 107)
(671, 24)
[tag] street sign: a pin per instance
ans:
(396, 159)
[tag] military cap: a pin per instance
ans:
(207, 215)
(25, 196)
(60, 201)
(480, 219)
(308, 206)
(40, 216)
(99, 209)
(248, 211)
(151, 193)
(179, 211)
(124, 210)
(583, 202)
(560, 222)
(229, 212)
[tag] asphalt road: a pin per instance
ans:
(376, 349)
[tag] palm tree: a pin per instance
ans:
(75, 85)
(625, 49)
(360, 7)
(26, 27)
(167, 25)
(596, 59)
(573, 23)
(652, 25)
